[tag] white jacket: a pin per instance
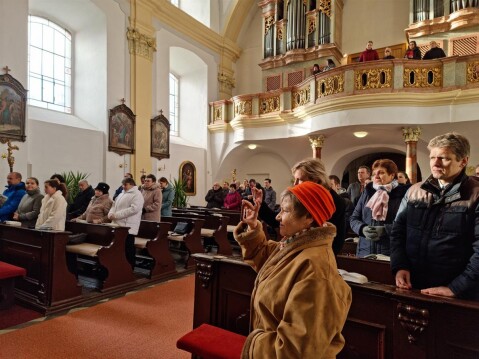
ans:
(53, 212)
(127, 209)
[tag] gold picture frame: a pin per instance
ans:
(188, 175)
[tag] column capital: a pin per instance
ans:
(140, 44)
(411, 134)
(316, 141)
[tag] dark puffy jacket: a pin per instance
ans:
(214, 198)
(362, 217)
(81, 202)
(14, 194)
(436, 236)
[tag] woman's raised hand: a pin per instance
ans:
(249, 211)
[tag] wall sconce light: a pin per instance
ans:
(162, 168)
(121, 165)
(360, 134)
(252, 146)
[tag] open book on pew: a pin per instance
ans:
(353, 277)
(379, 257)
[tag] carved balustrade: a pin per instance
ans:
(361, 79)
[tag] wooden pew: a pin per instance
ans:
(48, 285)
(214, 227)
(191, 240)
(152, 238)
(106, 246)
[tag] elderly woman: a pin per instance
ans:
(29, 207)
(299, 303)
(99, 206)
(374, 214)
(53, 212)
(233, 199)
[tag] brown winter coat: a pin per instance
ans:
(97, 210)
(152, 206)
(299, 303)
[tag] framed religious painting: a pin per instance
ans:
(160, 137)
(121, 130)
(13, 100)
(188, 177)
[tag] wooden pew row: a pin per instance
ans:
(214, 227)
(191, 240)
(152, 241)
(105, 245)
(48, 285)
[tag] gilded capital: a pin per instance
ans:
(411, 134)
(316, 141)
(140, 44)
(226, 82)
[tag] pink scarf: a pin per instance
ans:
(379, 201)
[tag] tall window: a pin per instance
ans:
(49, 65)
(174, 104)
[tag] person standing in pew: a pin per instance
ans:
(233, 199)
(81, 200)
(29, 207)
(14, 193)
(153, 198)
(53, 212)
(299, 302)
(126, 212)
(99, 207)
(168, 195)
(215, 196)
(120, 189)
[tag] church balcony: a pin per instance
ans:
(398, 84)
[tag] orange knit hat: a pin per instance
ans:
(316, 199)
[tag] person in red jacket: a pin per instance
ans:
(369, 54)
(233, 199)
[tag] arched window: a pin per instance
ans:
(174, 105)
(49, 65)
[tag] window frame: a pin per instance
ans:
(174, 113)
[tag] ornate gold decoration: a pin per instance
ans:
(413, 320)
(268, 22)
(411, 134)
(233, 175)
(472, 73)
(311, 24)
(226, 82)
(316, 141)
(300, 97)
(325, 7)
(10, 148)
(243, 107)
(279, 31)
(140, 44)
(267, 105)
(218, 115)
(375, 78)
(330, 85)
(421, 77)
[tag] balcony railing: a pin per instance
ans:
(349, 81)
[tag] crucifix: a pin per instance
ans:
(122, 101)
(7, 69)
(161, 112)
(143, 172)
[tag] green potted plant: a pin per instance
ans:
(179, 188)
(71, 181)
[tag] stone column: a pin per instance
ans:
(141, 45)
(317, 142)
(411, 136)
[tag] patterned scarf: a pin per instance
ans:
(379, 201)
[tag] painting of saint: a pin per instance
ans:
(12, 108)
(160, 137)
(188, 177)
(121, 131)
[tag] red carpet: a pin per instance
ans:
(141, 325)
(16, 315)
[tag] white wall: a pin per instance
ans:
(198, 9)
(382, 21)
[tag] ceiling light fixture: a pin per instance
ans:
(360, 134)
(252, 146)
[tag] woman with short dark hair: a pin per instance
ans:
(29, 207)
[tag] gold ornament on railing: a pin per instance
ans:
(9, 156)
(233, 175)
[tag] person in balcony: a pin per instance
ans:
(434, 53)
(369, 54)
(329, 65)
(412, 52)
(316, 70)
(374, 214)
(388, 54)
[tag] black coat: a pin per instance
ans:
(436, 236)
(80, 203)
(214, 198)
(362, 217)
